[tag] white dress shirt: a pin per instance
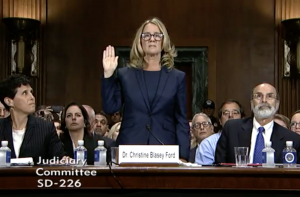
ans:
(18, 136)
(266, 134)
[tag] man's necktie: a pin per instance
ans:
(259, 146)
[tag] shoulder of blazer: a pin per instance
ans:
(124, 70)
(286, 132)
(36, 121)
(236, 123)
(177, 73)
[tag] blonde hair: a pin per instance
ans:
(137, 54)
(113, 129)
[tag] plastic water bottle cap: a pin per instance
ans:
(100, 142)
(4, 143)
(80, 142)
(268, 144)
(289, 143)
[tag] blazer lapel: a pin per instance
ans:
(30, 127)
(8, 136)
(245, 134)
(161, 85)
(276, 139)
(140, 78)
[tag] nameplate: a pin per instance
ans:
(25, 161)
(150, 154)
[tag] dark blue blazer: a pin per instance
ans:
(237, 133)
(166, 119)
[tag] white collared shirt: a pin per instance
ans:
(266, 134)
(18, 137)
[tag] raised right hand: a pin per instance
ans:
(110, 61)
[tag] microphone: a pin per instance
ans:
(149, 129)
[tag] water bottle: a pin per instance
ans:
(80, 153)
(5, 153)
(100, 154)
(268, 156)
(289, 155)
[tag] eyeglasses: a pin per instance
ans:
(233, 112)
(204, 124)
(294, 124)
(156, 36)
(268, 96)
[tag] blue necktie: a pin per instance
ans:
(259, 146)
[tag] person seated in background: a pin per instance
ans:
(115, 118)
(92, 120)
(44, 112)
(208, 107)
(202, 128)
(295, 122)
(255, 131)
(101, 124)
(192, 136)
(76, 126)
(114, 131)
(230, 109)
(27, 135)
(282, 120)
(3, 112)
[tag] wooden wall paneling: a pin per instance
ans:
(34, 9)
(2, 44)
(289, 89)
(239, 35)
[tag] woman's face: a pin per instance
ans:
(74, 118)
(116, 133)
(153, 45)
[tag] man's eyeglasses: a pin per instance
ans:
(156, 36)
(204, 124)
(294, 124)
(260, 96)
(233, 113)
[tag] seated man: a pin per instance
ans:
(255, 131)
(202, 128)
(295, 122)
(92, 120)
(27, 136)
(230, 109)
(3, 112)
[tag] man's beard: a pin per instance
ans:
(264, 113)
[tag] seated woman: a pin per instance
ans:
(75, 126)
(114, 131)
(282, 120)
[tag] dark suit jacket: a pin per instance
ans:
(40, 139)
(193, 154)
(237, 133)
(90, 143)
(166, 119)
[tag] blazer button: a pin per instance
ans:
(148, 126)
(149, 114)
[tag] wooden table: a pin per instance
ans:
(207, 178)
